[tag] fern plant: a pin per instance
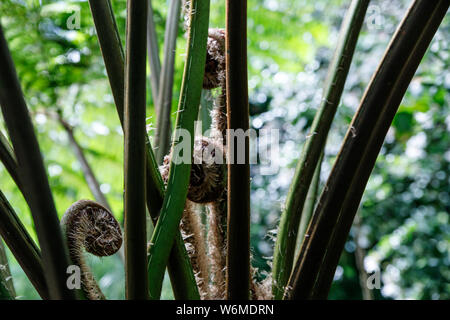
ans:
(201, 208)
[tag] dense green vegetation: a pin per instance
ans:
(403, 228)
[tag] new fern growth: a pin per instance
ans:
(90, 226)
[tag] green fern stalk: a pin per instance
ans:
(337, 75)
(179, 174)
(339, 201)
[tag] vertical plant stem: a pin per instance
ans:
(216, 238)
(337, 75)
(153, 55)
(179, 173)
(112, 51)
(339, 201)
(180, 270)
(111, 47)
(134, 127)
(238, 203)
(33, 176)
(193, 231)
(310, 203)
(5, 270)
(164, 105)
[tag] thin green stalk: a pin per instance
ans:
(339, 201)
(33, 176)
(179, 174)
(134, 128)
(310, 203)
(153, 55)
(164, 105)
(179, 267)
(111, 47)
(238, 201)
(109, 39)
(337, 75)
(429, 24)
(5, 270)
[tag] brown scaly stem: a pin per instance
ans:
(217, 235)
(193, 231)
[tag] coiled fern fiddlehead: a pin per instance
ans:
(206, 186)
(91, 226)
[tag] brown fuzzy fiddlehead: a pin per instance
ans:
(207, 171)
(206, 186)
(90, 226)
(206, 182)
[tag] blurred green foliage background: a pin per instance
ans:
(403, 226)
